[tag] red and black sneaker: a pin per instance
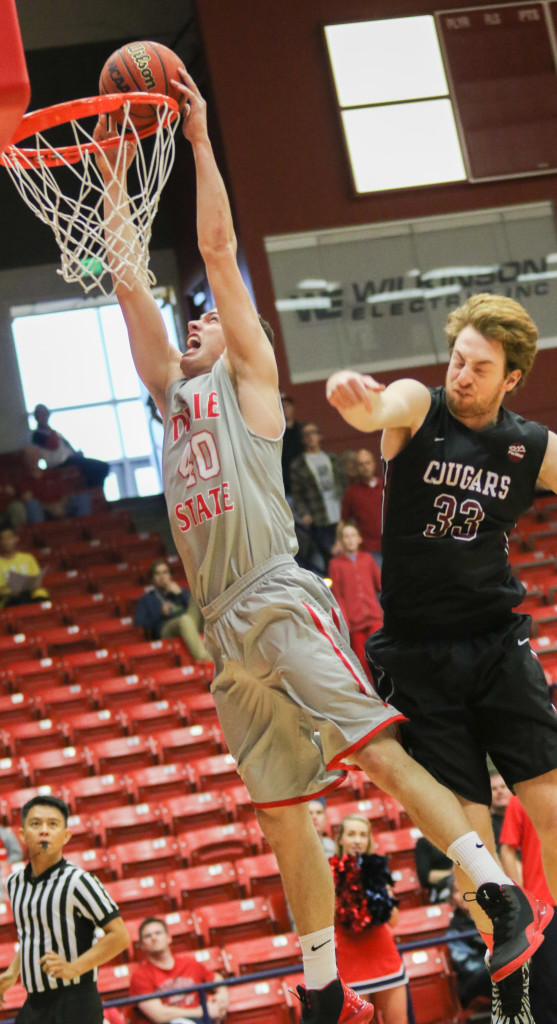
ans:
(334, 1004)
(519, 920)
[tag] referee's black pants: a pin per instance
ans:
(76, 1003)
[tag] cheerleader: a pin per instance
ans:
(364, 908)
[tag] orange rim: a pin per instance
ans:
(73, 110)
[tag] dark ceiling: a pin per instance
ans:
(65, 49)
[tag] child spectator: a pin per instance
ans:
(356, 580)
(20, 573)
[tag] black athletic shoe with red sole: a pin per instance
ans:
(519, 920)
(334, 1004)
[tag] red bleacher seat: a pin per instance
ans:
(59, 765)
(37, 672)
(407, 888)
(204, 884)
(418, 923)
(129, 823)
(211, 957)
(355, 786)
(83, 833)
(96, 524)
(238, 802)
(431, 986)
(95, 793)
(111, 578)
(88, 666)
(53, 532)
(215, 772)
(128, 860)
(115, 631)
(398, 845)
(66, 640)
(94, 860)
(187, 743)
(114, 980)
(12, 1001)
(259, 875)
(180, 681)
(192, 810)
(397, 814)
(90, 726)
(127, 598)
(12, 774)
(199, 708)
(64, 584)
(13, 800)
(373, 809)
(122, 754)
(217, 843)
(153, 716)
(118, 691)
(18, 647)
(262, 954)
(145, 895)
(180, 926)
(153, 654)
(7, 924)
(32, 618)
(7, 953)
(234, 920)
(62, 700)
(132, 546)
(159, 781)
(15, 708)
(83, 554)
(82, 609)
(260, 1002)
(22, 738)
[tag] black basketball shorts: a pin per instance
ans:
(468, 698)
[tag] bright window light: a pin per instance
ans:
(92, 429)
(147, 481)
(135, 432)
(386, 61)
(112, 488)
(403, 145)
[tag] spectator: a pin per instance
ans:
(361, 504)
(468, 955)
(349, 466)
(292, 444)
(364, 908)
(435, 871)
(162, 970)
(56, 451)
(500, 796)
(518, 837)
(20, 573)
(356, 580)
(317, 484)
(318, 812)
(168, 610)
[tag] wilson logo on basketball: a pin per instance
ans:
(141, 59)
(516, 452)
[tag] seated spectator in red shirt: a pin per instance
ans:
(361, 504)
(161, 971)
(356, 580)
(519, 836)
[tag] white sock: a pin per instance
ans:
(469, 853)
(320, 962)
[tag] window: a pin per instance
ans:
(76, 360)
(394, 103)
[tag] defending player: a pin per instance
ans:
(452, 655)
(283, 662)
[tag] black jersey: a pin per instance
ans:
(451, 498)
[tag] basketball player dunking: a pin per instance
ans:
(282, 656)
(452, 655)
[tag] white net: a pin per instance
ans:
(69, 197)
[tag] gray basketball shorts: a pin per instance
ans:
(293, 702)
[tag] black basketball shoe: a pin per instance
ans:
(519, 920)
(334, 1004)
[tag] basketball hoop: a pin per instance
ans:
(91, 254)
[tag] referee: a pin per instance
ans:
(56, 908)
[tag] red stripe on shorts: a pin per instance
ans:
(321, 629)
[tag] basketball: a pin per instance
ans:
(141, 67)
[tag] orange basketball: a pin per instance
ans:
(141, 67)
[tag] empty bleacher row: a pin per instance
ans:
(126, 732)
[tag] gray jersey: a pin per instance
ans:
(223, 486)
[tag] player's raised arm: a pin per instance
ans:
(156, 360)
(367, 405)
(249, 355)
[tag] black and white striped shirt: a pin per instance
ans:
(58, 912)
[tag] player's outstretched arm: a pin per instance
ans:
(368, 405)
(249, 355)
(156, 360)
(548, 473)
